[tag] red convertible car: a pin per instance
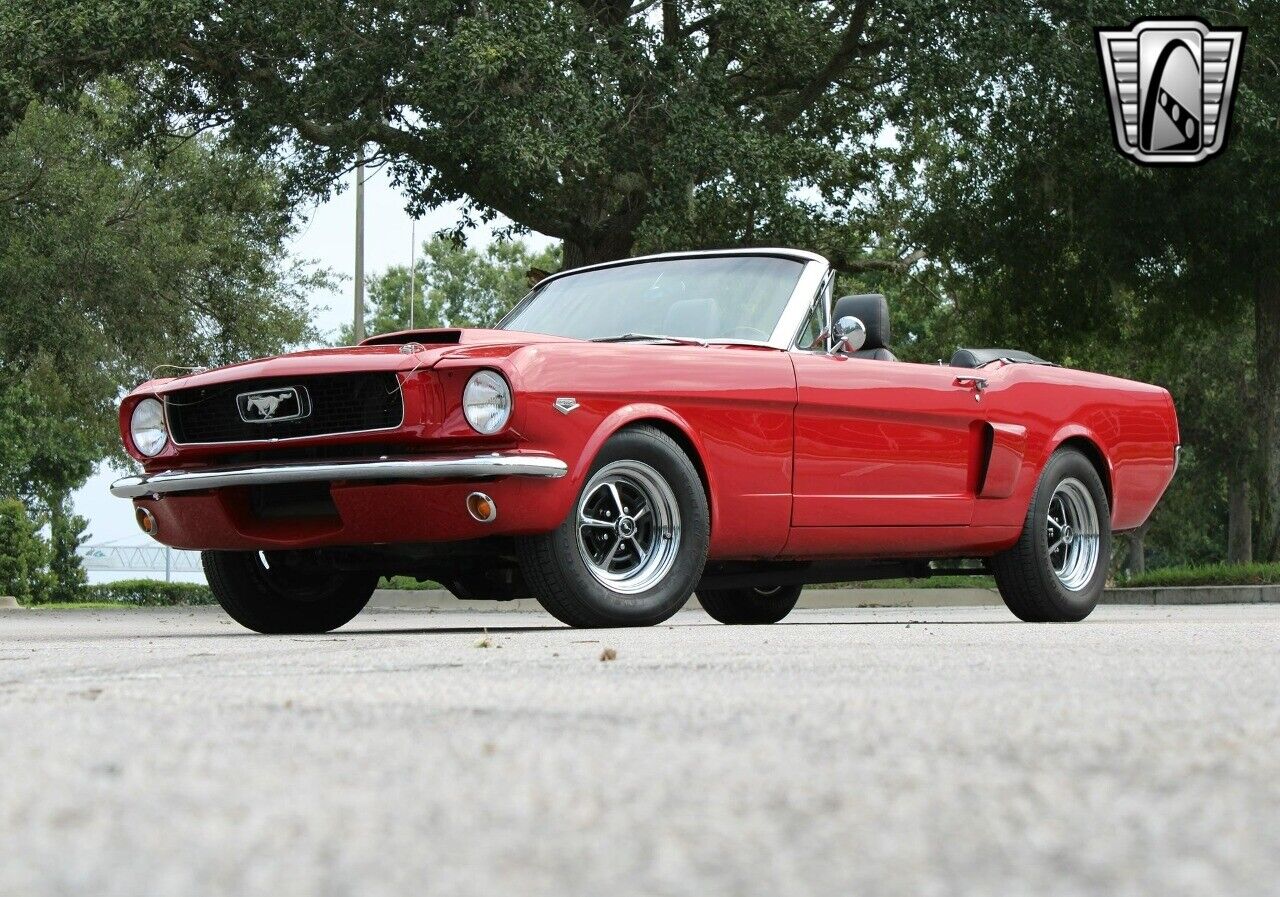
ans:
(635, 432)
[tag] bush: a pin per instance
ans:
(149, 593)
(1207, 575)
(24, 558)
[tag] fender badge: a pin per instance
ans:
(565, 404)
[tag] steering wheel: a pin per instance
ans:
(744, 332)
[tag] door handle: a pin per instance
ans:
(977, 384)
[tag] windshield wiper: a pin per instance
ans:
(640, 337)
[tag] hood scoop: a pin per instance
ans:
(434, 337)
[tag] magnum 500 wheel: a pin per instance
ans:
(1056, 571)
(632, 549)
(265, 593)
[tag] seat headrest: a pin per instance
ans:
(692, 317)
(873, 310)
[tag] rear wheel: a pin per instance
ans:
(1056, 571)
(633, 548)
(767, 604)
(265, 592)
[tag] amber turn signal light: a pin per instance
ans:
(482, 507)
(147, 521)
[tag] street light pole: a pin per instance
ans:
(413, 267)
(358, 322)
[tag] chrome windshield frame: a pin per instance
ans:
(793, 313)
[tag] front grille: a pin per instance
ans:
(338, 403)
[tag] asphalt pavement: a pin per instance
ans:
(925, 751)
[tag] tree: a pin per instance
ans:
(599, 122)
(1007, 153)
(116, 260)
(23, 558)
(455, 286)
(66, 535)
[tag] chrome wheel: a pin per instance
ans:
(1072, 534)
(628, 527)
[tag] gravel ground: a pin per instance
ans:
(876, 752)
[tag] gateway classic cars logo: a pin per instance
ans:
(1171, 83)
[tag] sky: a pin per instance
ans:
(327, 236)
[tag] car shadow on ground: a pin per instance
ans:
(470, 629)
(480, 630)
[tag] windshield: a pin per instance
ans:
(712, 297)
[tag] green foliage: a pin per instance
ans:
(115, 260)
(683, 123)
(1039, 235)
(24, 558)
(1207, 575)
(150, 593)
(66, 535)
(407, 583)
(455, 286)
(128, 593)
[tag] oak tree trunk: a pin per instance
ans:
(597, 248)
(1266, 349)
(1239, 518)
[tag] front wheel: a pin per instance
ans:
(1056, 571)
(266, 592)
(633, 547)
(760, 605)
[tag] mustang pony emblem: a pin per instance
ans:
(271, 405)
(266, 406)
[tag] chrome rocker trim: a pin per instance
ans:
(494, 465)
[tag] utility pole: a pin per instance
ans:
(413, 267)
(358, 322)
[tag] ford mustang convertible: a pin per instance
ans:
(638, 431)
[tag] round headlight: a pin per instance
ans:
(486, 402)
(147, 428)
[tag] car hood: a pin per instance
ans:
(410, 350)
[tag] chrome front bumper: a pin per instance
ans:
(480, 466)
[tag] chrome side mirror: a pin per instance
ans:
(848, 335)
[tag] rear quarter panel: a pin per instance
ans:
(1133, 425)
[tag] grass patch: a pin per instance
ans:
(1207, 575)
(82, 605)
(928, 582)
(407, 583)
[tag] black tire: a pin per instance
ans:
(749, 606)
(555, 566)
(281, 597)
(1026, 575)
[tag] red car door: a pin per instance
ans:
(884, 443)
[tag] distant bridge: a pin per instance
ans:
(139, 559)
